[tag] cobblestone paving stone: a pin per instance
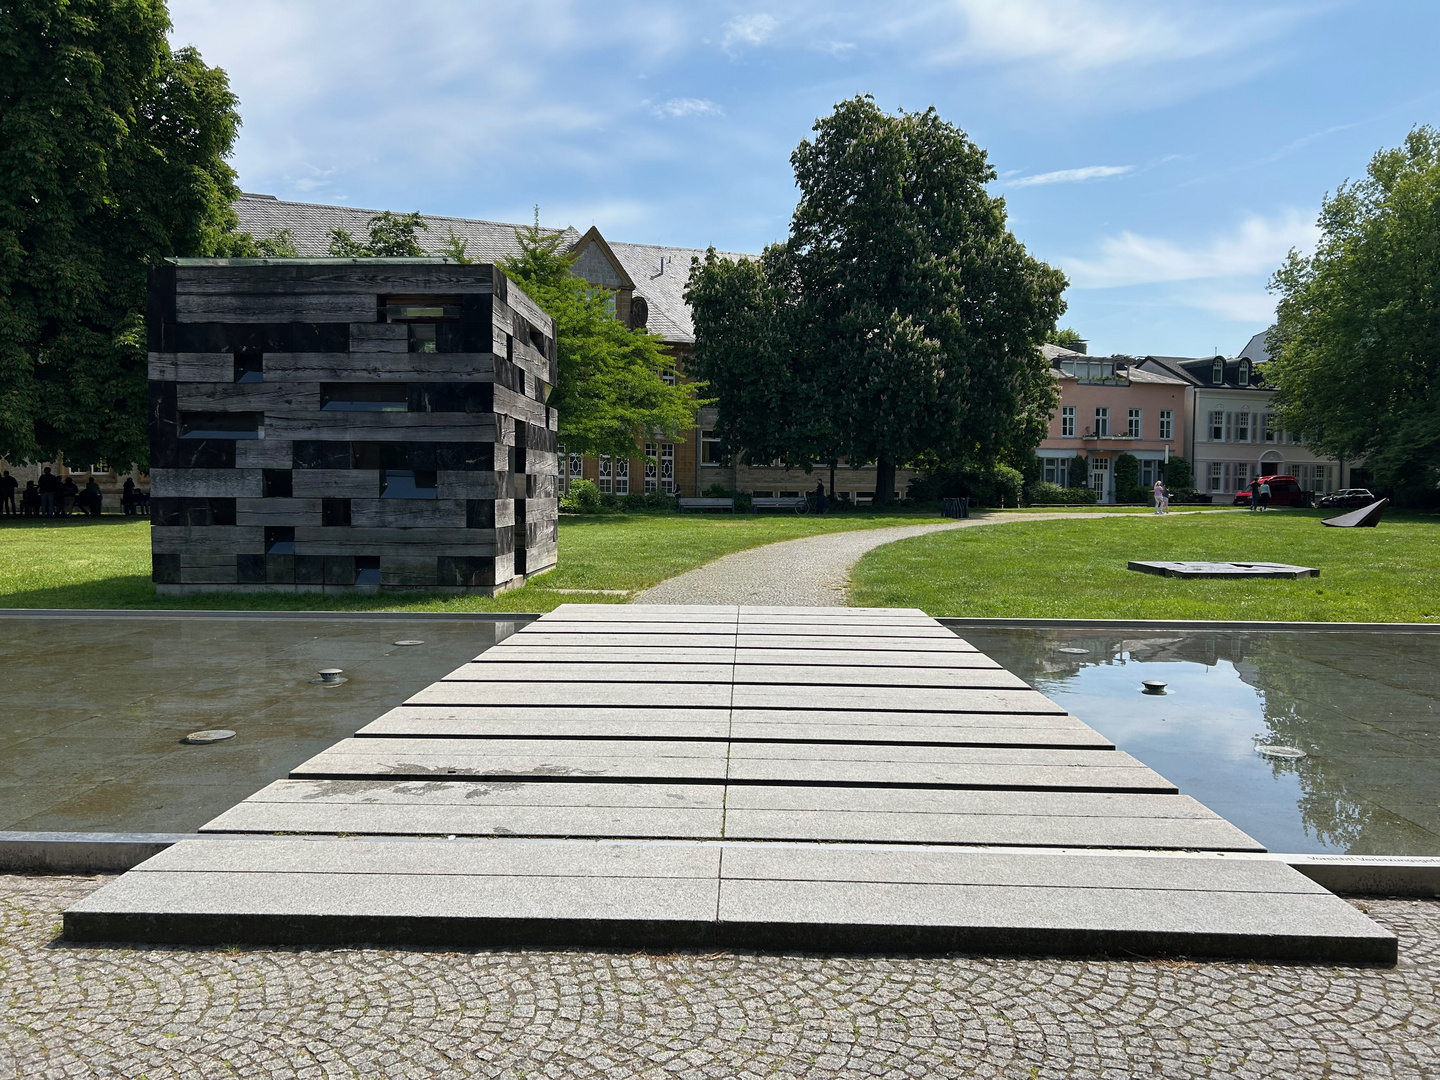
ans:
(81, 1011)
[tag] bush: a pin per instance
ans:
(716, 491)
(1045, 492)
(582, 498)
(742, 500)
(995, 485)
(1079, 472)
(1179, 480)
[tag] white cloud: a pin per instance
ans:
(1072, 176)
(687, 107)
(1257, 246)
(748, 30)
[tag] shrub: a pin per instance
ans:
(635, 500)
(582, 498)
(995, 485)
(1178, 477)
(1046, 492)
(742, 500)
(716, 491)
(1127, 480)
(1079, 472)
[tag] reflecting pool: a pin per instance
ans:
(1364, 708)
(93, 709)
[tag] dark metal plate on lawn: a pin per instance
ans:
(1223, 569)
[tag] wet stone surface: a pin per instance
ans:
(166, 1012)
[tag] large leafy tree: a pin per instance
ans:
(909, 318)
(112, 157)
(611, 391)
(1356, 342)
(391, 236)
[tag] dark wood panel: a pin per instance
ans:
(269, 308)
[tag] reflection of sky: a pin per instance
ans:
(1200, 735)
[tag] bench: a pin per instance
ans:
(799, 504)
(707, 504)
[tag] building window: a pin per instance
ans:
(667, 468)
(1217, 426)
(1102, 422)
(1134, 428)
(1242, 427)
(1048, 465)
(1217, 371)
(1067, 421)
(1244, 378)
(607, 468)
(667, 376)
(1149, 471)
(1242, 475)
(622, 476)
(710, 448)
(1216, 475)
(1167, 425)
(652, 468)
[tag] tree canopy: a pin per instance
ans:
(1356, 343)
(391, 236)
(899, 320)
(611, 391)
(112, 157)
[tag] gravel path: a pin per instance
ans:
(811, 572)
(96, 1011)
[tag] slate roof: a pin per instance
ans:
(661, 284)
(1199, 371)
(310, 223)
(1255, 349)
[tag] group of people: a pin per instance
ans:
(50, 496)
(1259, 495)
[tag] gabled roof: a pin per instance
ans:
(310, 223)
(1255, 349)
(1200, 371)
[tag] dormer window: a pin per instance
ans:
(1244, 379)
(1217, 371)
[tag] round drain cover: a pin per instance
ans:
(1289, 753)
(409, 643)
(214, 735)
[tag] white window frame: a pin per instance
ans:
(1102, 421)
(1067, 421)
(1242, 427)
(1167, 425)
(652, 468)
(667, 468)
(1135, 424)
(708, 440)
(622, 476)
(1217, 371)
(1215, 476)
(607, 469)
(1217, 425)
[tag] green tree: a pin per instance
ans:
(112, 157)
(1356, 343)
(391, 236)
(610, 392)
(914, 318)
(1066, 338)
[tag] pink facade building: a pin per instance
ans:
(1109, 407)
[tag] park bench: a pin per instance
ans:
(707, 504)
(797, 503)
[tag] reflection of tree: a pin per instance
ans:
(1298, 701)
(1332, 804)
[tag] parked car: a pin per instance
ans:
(1284, 491)
(1348, 498)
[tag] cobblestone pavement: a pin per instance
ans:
(72, 1011)
(813, 571)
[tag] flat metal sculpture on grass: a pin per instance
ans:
(1365, 518)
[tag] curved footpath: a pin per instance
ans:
(810, 572)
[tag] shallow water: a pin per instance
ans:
(1365, 709)
(93, 710)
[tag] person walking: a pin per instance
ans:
(48, 487)
(1254, 495)
(1159, 493)
(8, 484)
(1264, 495)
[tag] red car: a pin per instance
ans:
(1285, 490)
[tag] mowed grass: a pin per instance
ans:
(1077, 569)
(105, 562)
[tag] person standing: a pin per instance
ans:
(48, 487)
(819, 496)
(1159, 493)
(1254, 495)
(1264, 495)
(8, 484)
(93, 499)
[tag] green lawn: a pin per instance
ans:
(105, 562)
(1076, 569)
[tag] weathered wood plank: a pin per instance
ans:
(363, 277)
(273, 308)
(212, 483)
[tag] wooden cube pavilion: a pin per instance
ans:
(348, 425)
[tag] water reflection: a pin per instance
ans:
(1365, 708)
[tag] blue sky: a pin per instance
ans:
(1165, 155)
